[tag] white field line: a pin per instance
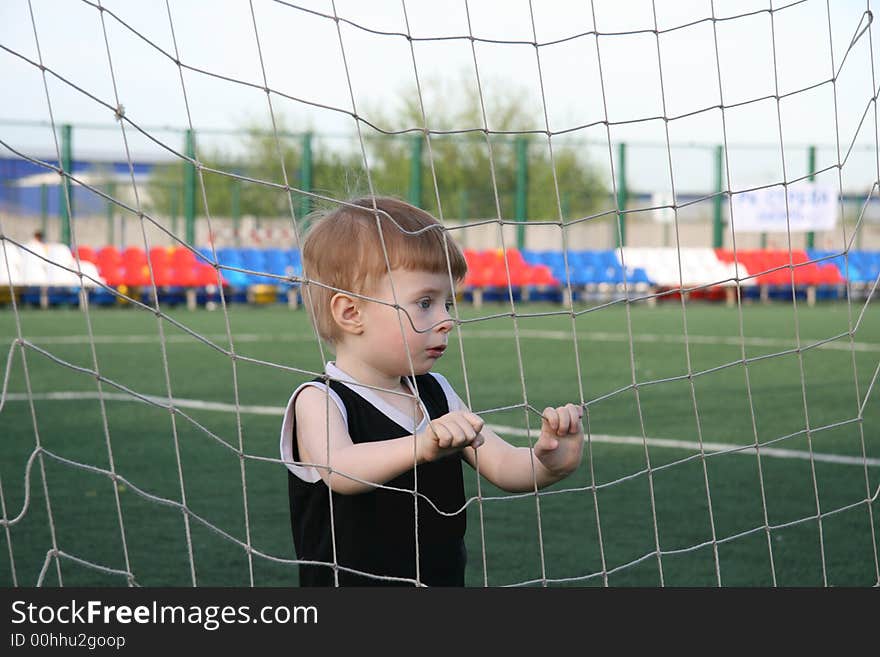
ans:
(842, 344)
(278, 411)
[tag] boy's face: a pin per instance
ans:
(425, 300)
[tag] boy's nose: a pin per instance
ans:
(446, 322)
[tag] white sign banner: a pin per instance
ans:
(811, 207)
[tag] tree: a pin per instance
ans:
(461, 162)
(229, 195)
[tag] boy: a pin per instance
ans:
(378, 426)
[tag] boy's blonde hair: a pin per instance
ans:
(343, 250)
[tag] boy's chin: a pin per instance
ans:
(419, 368)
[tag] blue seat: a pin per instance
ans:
(553, 259)
(584, 275)
(229, 256)
(869, 268)
(533, 257)
(639, 275)
(582, 268)
(828, 257)
(255, 260)
(295, 257)
(866, 264)
(276, 262)
(608, 258)
(612, 274)
(236, 279)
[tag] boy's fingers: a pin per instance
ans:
(443, 435)
(466, 432)
(577, 414)
(564, 421)
(573, 418)
(551, 417)
(475, 421)
(459, 433)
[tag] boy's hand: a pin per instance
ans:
(448, 434)
(562, 438)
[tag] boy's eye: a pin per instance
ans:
(424, 304)
(448, 305)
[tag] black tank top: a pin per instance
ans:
(375, 532)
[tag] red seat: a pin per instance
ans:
(206, 275)
(109, 255)
(185, 277)
(476, 277)
(830, 275)
(541, 275)
(113, 274)
(515, 259)
(137, 276)
(160, 257)
(496, 275)
(724, 255)
(163, 275)
(182, 257)
(86, 254)
(133, 257)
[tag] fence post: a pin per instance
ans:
(44, 209)
(236, 208)
(622, 193)
(522, 190)
(717, 215)
(811, 167)
(174, 209)
(189, 188)
(65, 209)
(415, 171)
(306, 174)
(111, 192)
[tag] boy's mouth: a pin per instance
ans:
(436, 351)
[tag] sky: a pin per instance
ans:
(324, 71)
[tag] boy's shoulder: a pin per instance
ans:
(312, 396)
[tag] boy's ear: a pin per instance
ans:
(346, 312)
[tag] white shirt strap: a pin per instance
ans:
(306, 473)
(452, 399)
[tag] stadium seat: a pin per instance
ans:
(133, 256)
(136, 275)
(109, 255)
(86, 253)
(182, 258)
(160, 256)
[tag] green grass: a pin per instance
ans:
(144, 449)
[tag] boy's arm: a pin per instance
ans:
(557, 453)
(324, 442)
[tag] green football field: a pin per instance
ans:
(648, 506)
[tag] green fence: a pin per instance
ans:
(472, 175)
